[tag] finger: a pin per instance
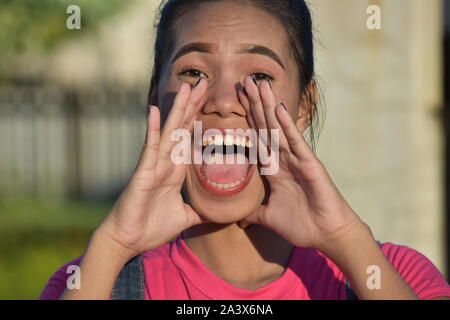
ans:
(147, 160)
(178, 110)
(174, 120)
(269, 104)
(256, 107)
(297, 142)
(243, 97)
(253, 218)
(194, 217)
(195, 103)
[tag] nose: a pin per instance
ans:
(222, 98)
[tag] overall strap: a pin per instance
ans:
(351, 295)
(129, 284)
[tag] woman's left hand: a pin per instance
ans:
(304, 206)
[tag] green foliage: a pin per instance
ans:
(41, 24)
(37, 237)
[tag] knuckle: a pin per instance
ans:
(153, 147)
(284, 149)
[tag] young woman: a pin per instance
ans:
(290, 235)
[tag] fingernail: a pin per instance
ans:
(196, 84)
(270, 85)
(282, 104)
(254, 80)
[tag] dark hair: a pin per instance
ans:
(293, 14)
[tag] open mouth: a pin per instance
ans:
(225, 169)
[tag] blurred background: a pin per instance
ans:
(73, 107)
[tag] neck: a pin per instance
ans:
(247, 258)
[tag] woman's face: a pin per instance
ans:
(227, 32)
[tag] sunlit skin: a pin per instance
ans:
(247, 258)
(242, 239)
(257, 253)
(225, 72)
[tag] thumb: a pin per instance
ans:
(194, 217)
(253, 218)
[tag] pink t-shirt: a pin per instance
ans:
(173, 272)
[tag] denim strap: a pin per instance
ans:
(129, 284)
(351, 295)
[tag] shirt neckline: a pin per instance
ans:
(215, 287)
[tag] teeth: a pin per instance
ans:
(238, 141)
(226, 185)
(218, 141)
(243, 141)
(227, 140)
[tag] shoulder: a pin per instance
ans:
(57, 283)
(417, 270)
(152, 259)
(406, 260)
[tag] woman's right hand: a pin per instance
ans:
(150, 211)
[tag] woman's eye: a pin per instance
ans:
(262, 76)
(192, 73)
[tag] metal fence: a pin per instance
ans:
(55, 142)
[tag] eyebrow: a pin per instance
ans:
(244, 49)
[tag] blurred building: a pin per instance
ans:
(383, 138)
(75, 124)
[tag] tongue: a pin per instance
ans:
(225, 173)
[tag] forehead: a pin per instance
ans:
(228, 24)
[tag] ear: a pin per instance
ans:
(307, 107)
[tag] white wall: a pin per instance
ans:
(382, 139)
